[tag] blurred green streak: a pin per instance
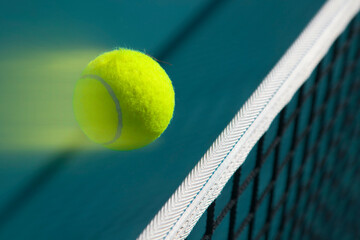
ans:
(36, 89)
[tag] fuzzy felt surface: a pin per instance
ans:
(143, 90)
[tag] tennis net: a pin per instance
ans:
(313, 189)
(288, 165)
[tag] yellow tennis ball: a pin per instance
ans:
(124, 100)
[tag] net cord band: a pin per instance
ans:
(204, 183)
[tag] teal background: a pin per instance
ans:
(219, 51)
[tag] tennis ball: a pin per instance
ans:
(124, 100)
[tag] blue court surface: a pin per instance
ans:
(55, 183)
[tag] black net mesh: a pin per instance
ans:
(302, 179)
